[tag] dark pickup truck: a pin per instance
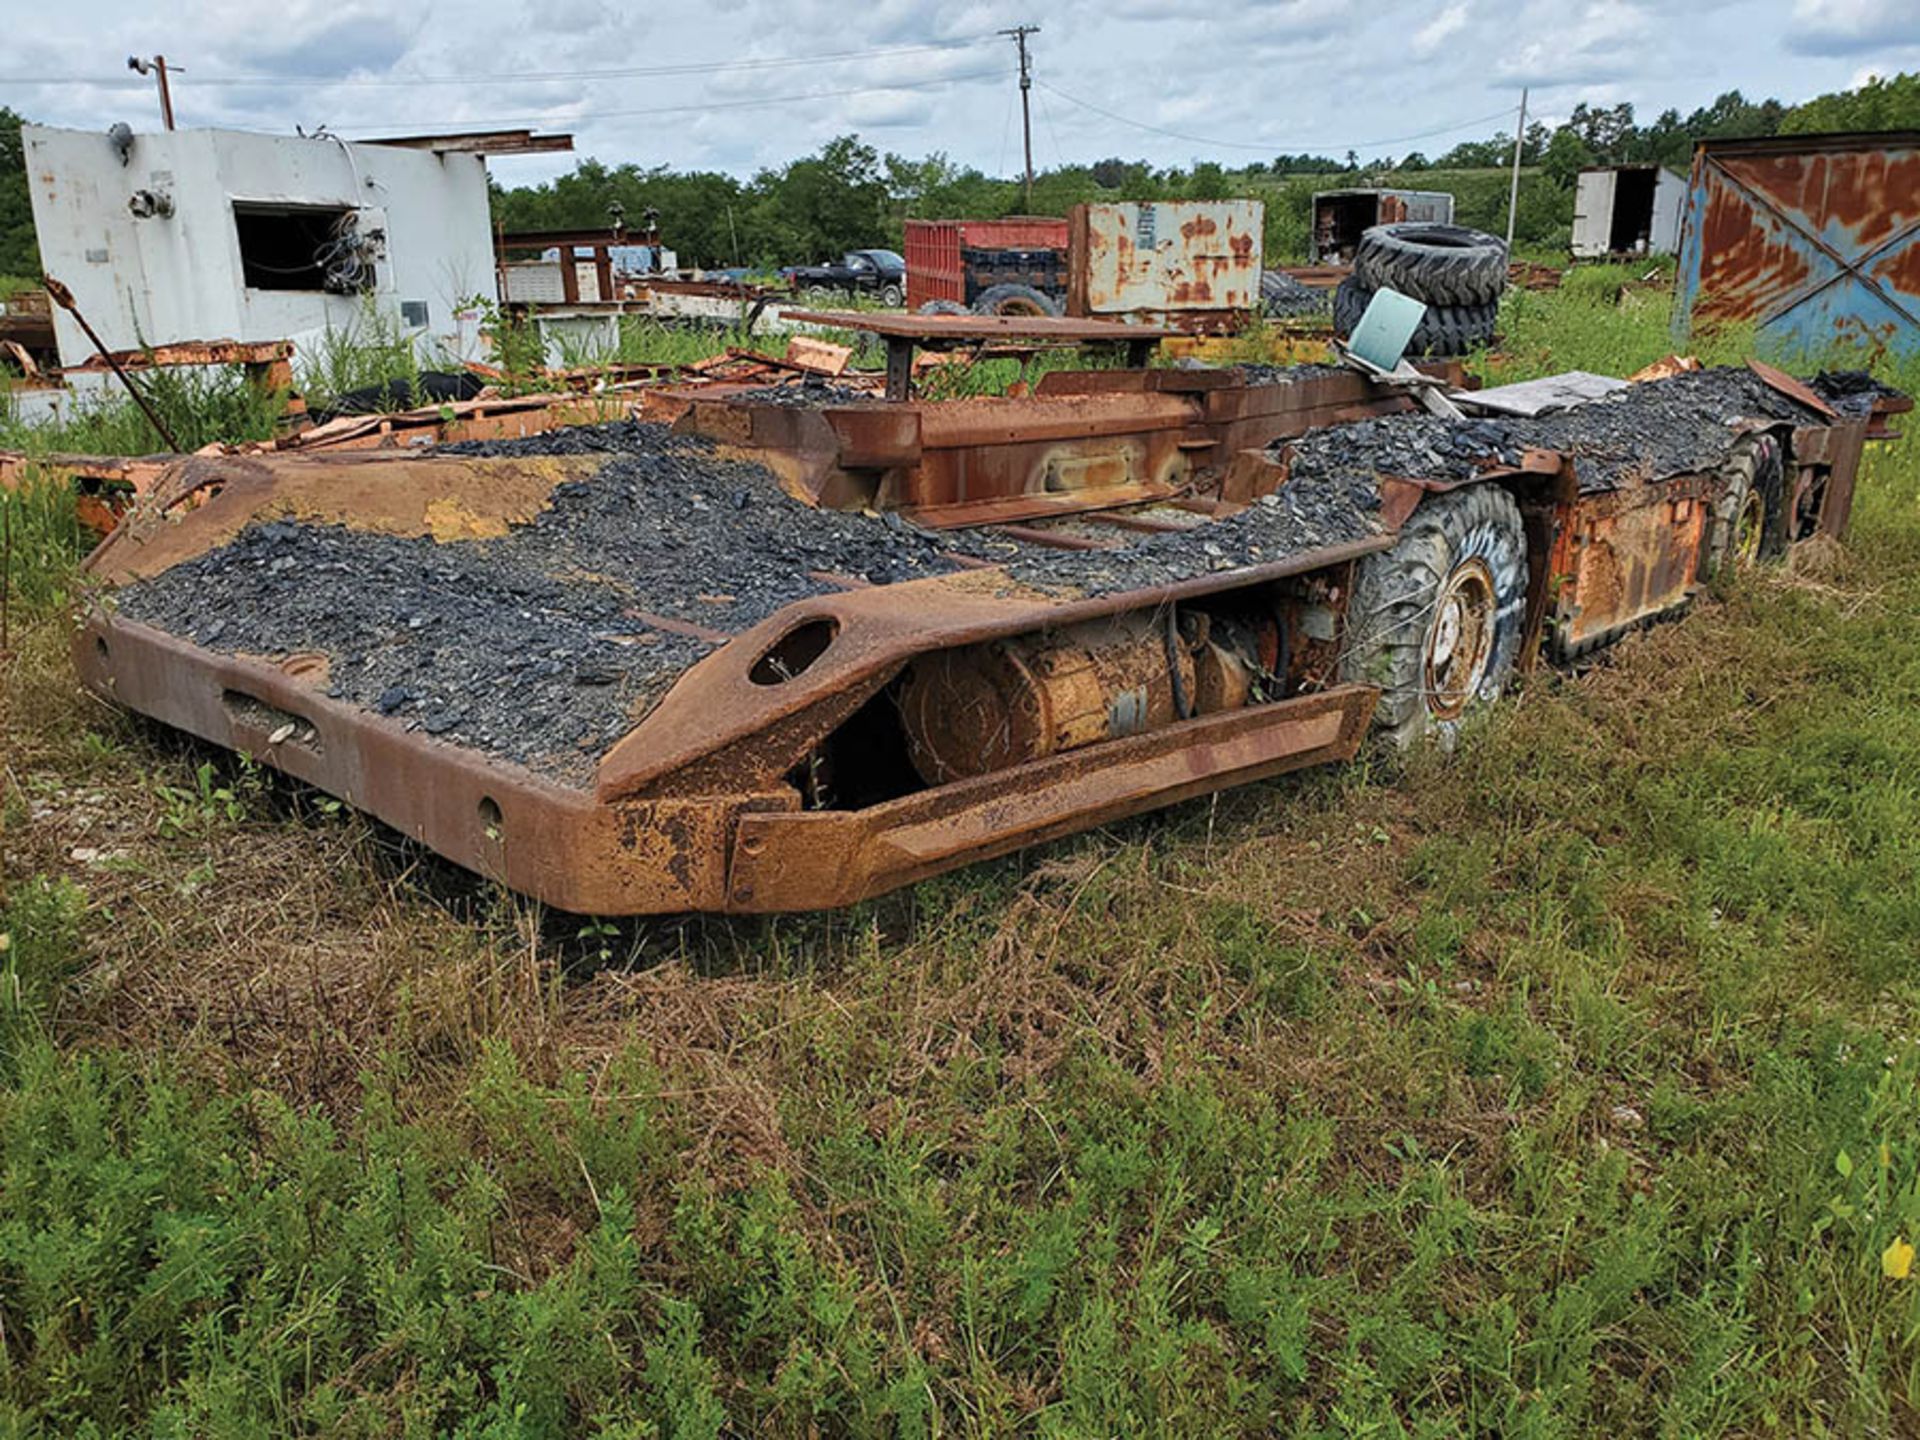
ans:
(879, 274)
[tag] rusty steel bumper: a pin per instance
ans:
(591, 853)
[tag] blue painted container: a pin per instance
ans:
(1815, 239)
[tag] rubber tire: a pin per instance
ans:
(892, 296)
(1284, 297)
(943, 307)
(1391, 612)
(1757, 461)
(1437, 264)
(818, 294)
(1445, 330)
(1015, 300)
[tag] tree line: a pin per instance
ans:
(848, 195)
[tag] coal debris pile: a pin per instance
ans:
(540, 646)
(1290, 522)
(1255, 374)
(611, 437)
(1852, 392)
(1643, 432)
(812, 395)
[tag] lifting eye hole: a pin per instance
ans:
(794, 651)
(490, 815)
(100, 647)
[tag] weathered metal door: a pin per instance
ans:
(1593, 213)
(1816, 239)
(1669, 205)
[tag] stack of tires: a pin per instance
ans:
(1455, 272)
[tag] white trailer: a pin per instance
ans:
(1627, 210)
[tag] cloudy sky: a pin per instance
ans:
(737, 84)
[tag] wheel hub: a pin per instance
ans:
(1460, 640)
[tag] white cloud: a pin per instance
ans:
(1606, 40)
(1847, 27)
(1248, 79)
(1448, 23)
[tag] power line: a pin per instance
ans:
(496, 122)
(518, 77)
(1269, 146)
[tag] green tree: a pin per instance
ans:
(19, 252)
(1208, 182)
(1892, 104)
(1567, 155)
(822, 204)
(1607, 130)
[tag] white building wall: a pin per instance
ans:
(179, 277)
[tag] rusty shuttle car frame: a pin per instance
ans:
(698, 808)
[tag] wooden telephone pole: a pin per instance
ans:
(1513, 196)
(1019, 34)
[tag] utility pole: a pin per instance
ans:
(1513, 196)
(1019, 34)
(157, 66)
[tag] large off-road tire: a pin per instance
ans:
(1435, 622)
(1440, 264)
(1015, 300)
(1445, 330)
(943, 307)
(1747, 525)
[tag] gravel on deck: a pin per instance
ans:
(1644, 432)
(537, 646)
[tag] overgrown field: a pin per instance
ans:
(1563, 1085)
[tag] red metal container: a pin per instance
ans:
(935, 267)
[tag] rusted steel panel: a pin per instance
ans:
(499, 820)
(968, 329)
(1625, 556)
(1841, 448)
(1815, 239)
(193, 352)
(813, 860)
(1155, 258)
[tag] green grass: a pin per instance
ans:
(198, 406)
(1565, 1085)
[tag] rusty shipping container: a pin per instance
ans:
(938, 252)
(1341, 217)
(1152, 259)
(1813, 238)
